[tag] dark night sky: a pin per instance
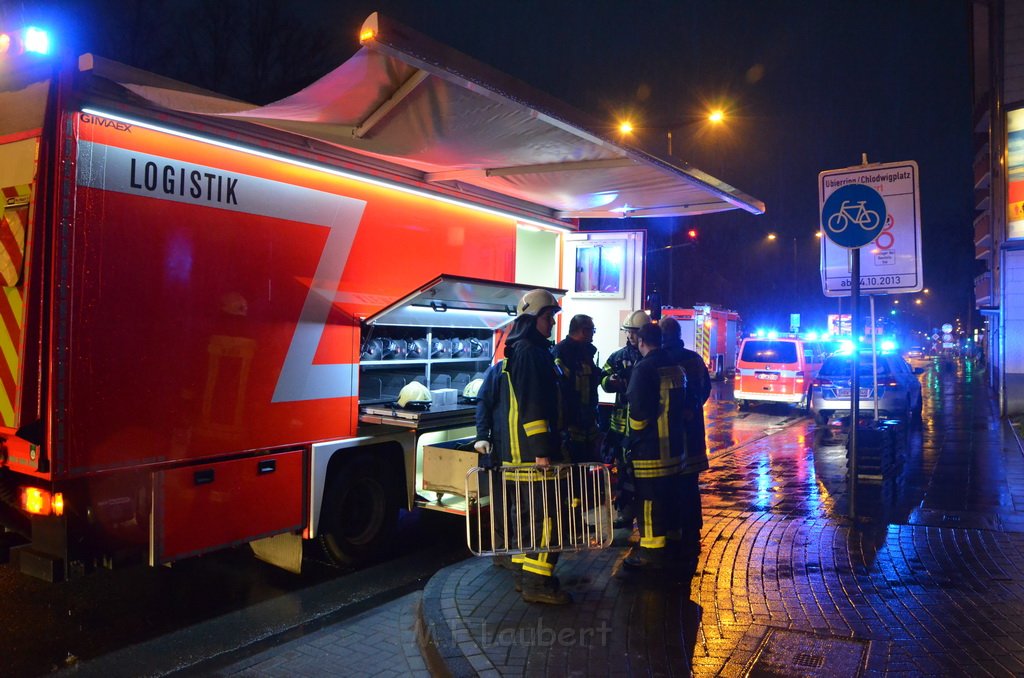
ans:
(808, 86)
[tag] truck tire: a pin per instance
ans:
(359, 516)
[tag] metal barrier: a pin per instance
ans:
(529, 509)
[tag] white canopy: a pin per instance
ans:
(410, 102)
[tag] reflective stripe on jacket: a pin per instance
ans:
(657, 434)
(620, 364)
(526, 409)
(698, 390)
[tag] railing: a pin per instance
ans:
(530, 509)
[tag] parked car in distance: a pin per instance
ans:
(775, 370)
(915, 352)
(899, 390)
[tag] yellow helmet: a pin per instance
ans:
(636, 320)
(472, 390)
(535, 302)
(414, 396)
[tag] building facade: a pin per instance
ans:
(998, 89)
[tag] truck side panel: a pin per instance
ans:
(216, 294)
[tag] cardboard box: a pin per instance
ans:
(445, 396)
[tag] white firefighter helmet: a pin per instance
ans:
(636, 320)
(414, 396)
(472, 390)
(535, 302)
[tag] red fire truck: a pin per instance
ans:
(711, 331)
(209, 307)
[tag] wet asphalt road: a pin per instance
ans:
(48, 627)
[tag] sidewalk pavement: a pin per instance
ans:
(929, 580)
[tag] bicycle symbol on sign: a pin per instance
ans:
(851, 212)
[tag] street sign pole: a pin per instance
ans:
(854, 374)
(876, 203)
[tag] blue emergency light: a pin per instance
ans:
(30, 40)
(37, 41)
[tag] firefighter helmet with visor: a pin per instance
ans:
(414, 396)
(472, 390)
(536, 302)
(636, 320)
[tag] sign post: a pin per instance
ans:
(854, 213)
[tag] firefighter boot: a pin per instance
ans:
(540, 589)
(643, 559)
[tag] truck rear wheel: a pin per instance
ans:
(359, 515)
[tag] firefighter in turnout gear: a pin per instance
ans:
(655, 444)
(614, 379)
(695, 455)
(526, 439)
(574, 356)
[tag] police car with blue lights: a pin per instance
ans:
(895, 383)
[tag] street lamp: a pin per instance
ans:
(715, 117)
(712, 118)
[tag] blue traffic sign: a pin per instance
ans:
(853, 215)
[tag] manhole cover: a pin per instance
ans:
(798, 653)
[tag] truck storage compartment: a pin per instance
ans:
(445, 465)
(207, 506)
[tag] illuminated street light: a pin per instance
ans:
(772, 236)
(716, 116)
(625, 127)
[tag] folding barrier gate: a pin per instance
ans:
(529, 509)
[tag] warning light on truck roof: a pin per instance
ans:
(37, 40)
(31, 40)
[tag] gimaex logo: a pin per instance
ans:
(89, 119)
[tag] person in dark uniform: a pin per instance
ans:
(695, 455)
(654, 446)
(574, 356)
(525, 437)
(614, 379)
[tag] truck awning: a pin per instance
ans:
(407, 100)
(452, 301)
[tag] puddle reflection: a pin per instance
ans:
(774, 459)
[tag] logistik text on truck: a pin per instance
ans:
(204, 300)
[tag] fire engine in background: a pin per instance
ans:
(711, 331)
(210, 308)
